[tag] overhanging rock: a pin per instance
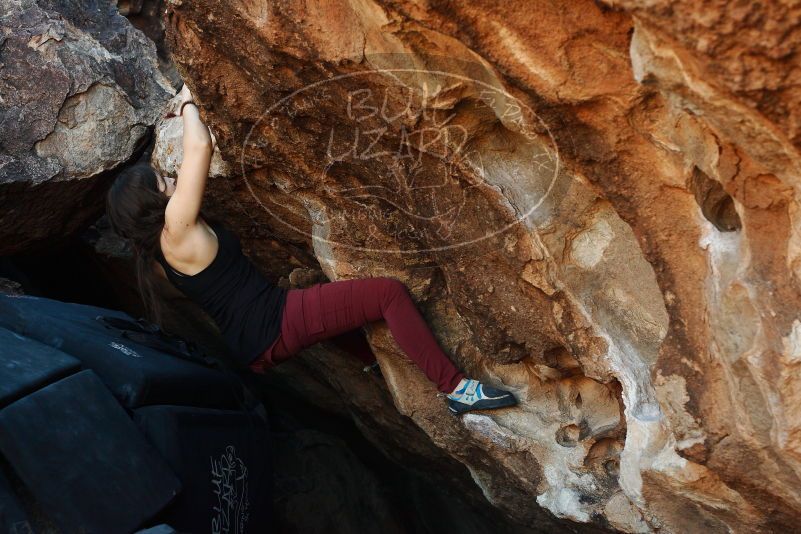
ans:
(581, 214)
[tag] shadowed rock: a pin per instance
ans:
(80, 91)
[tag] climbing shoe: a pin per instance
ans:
(473, 395)
(373, 369)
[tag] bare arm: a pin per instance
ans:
(184, 204)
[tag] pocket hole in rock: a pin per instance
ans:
(568, 436)
(603, 460)
(612, 467)
(716, 204)
(560, 358)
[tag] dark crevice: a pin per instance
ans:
(716, 205)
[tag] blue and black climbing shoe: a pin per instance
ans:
(473, 395)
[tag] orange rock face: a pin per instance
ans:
(594, 205)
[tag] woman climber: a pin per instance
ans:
(262, 323)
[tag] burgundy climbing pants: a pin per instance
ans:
(335, 310)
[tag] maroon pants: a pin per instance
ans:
(335, 310)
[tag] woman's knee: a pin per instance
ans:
(392, 289)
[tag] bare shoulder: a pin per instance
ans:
(190, 248)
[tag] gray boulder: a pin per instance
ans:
(80, 89)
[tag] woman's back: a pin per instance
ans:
(244, 304)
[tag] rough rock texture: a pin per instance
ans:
(79, 92)
(146, 16)
(168, 151)
(595, 206)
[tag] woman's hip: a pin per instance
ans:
(325, 310)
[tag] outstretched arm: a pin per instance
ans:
(184, 204)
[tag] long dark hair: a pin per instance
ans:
(135, 206)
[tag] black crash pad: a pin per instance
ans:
(13, 518)
(223, 460)
(26, 365)
(82, 457)
(136, 374)
(158, 529)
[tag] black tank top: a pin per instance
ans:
(246, 306)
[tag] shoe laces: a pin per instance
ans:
(469, 393)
